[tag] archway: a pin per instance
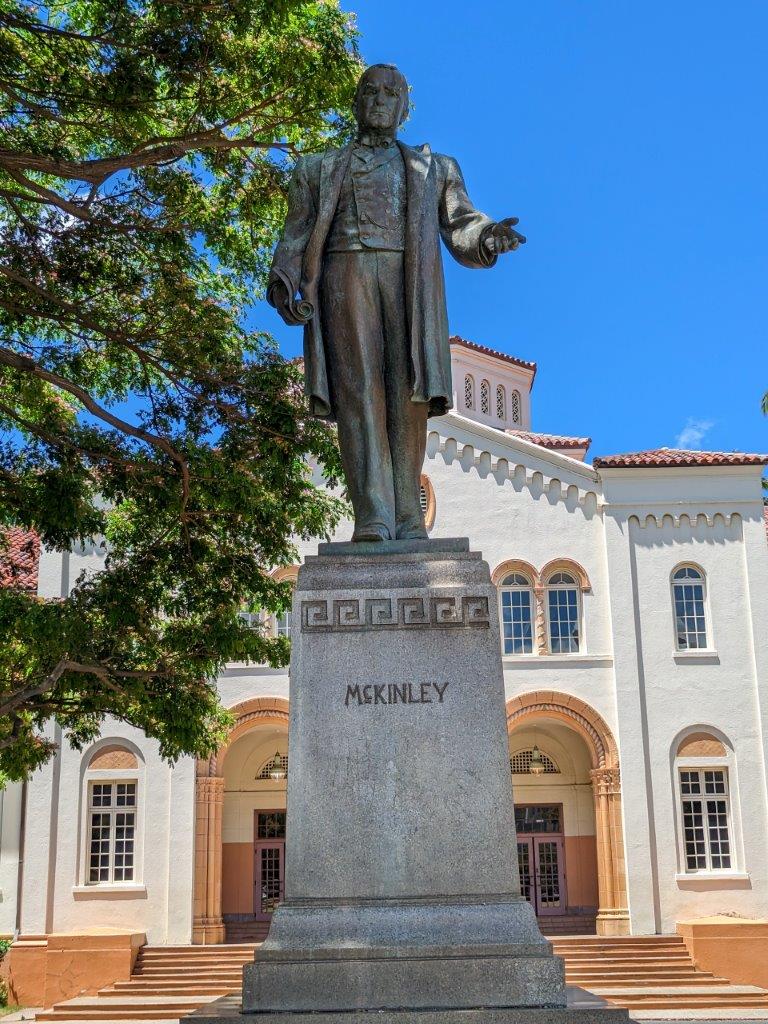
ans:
(587, 747)
(224, 872)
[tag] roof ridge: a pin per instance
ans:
(670, 457)
(554, 440)
(456, 339)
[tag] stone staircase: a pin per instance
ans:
(167, 983)
(639, 973)
(653, 972)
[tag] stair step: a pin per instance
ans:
(648, 973)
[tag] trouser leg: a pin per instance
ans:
(353, 336)
(406, 420)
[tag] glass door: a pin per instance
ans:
(550, 881)
(269, 863)
(541, 857)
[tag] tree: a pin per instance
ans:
(144, 154)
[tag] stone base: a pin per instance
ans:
(592, 1010)
(422, 953)
(402, 896)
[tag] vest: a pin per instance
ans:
(370, 213)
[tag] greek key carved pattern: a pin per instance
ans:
(352, 613)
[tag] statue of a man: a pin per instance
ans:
(361, 245)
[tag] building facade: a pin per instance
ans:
(633, 597)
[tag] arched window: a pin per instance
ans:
(275, 768)
(689, 597)
(563, 613)
(469, 391)
(485, 397)
(703, 784)
(111, 826)
(515, 406)
(520, 763)
(516, 614)
(501, 402)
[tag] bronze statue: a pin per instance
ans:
(361, 245)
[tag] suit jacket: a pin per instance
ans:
(437, 206)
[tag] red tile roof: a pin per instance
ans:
(456, 340)
(19, 558)
(552, 440)
(675, 457)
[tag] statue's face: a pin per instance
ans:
(380, 101)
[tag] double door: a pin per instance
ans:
(541, 858)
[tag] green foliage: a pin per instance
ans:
(144, 155)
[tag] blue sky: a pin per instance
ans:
(631, 140)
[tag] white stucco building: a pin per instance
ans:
(634, 601)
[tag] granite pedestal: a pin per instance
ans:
(402, 896)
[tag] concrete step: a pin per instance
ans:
(688, 997)
(119, 1008)
(594, 981)
(172, 969)
(158, 978)
(220, 956)
(222, 947)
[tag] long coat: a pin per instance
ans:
(437, 206)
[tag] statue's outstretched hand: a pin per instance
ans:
(503, 238)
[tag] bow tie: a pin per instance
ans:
(375, 140)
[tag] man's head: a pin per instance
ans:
(381, 99)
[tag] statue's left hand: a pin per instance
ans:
(503, 238)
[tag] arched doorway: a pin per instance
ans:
(568, 810)
(240, 827)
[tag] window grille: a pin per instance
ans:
(267, 768)
(501, 402)
(705, 818)
(423, 499)
(112, 832)
(690, 618)
(516, 613)
(564, 613)
(469, 392)
(520, 763)
(514, 403)
(485, 397)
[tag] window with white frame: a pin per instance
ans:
(705, 819)
(516, 614)
(485, 397)
(514, 403)
(111, 853)
(563, 613)
(283, 623)
(469, 391)
(689, 597)
(501, 402)
(252, 619)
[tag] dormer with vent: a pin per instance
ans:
(491, 387)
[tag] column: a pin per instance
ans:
(612, 915)
(540, 627)
(208, 924)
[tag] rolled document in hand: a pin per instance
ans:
(302, 310)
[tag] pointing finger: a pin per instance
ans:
(511, 221)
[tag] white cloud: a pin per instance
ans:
(693, 433)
